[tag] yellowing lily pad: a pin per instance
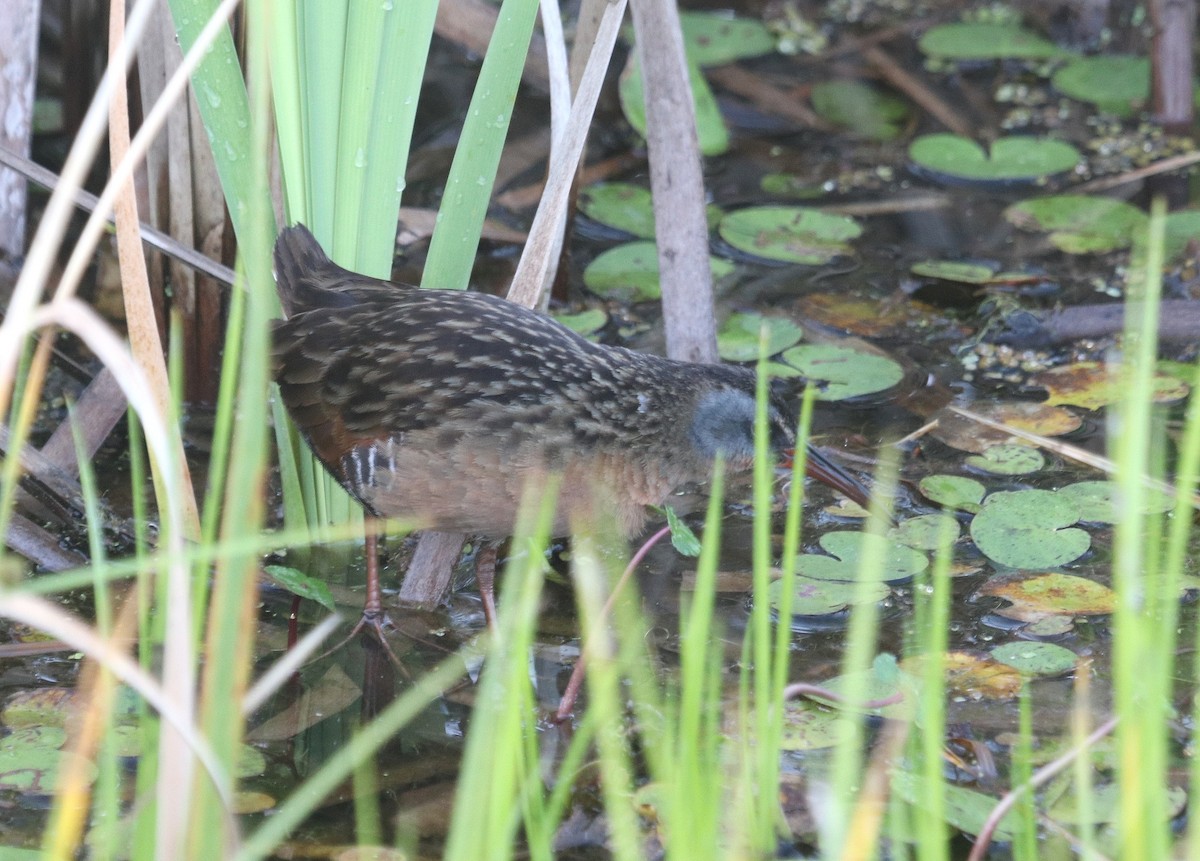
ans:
(847, 550)
(840, 373)
(952, 158)
(1029, 529)
(986, 41)
(972, 676)
(1092, 385)
(738, 339)
(629, 273)
(867, 317)
(1033, 597)
(1079, 224)
(1011, 459)
(968, 435)
(793, 234)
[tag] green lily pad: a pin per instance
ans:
(713, 39)
(860, 108)
(966, 809)
(622, 205)
(1029, 529)
(1036, 659)
(1096, 501)
(793, 234)
(1105, 805)
(984, 41)
(883, 681)
(790, 185)
(299, 583)
(953, 158)
(628, 207)
(586, 322)
(841, 373)
(1008, 459)
(950, 270)
(710, 126)
(847, 550)
(925, 532)
(813, 597)
(738, 339)
(1116, 83)
(809, 727)
(629, 273)
(1079, 224)
(953, 491)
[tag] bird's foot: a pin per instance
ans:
(372, 623)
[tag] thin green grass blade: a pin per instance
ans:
(473, 172)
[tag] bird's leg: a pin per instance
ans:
(485, 577)
(373, 619)
(373, 605)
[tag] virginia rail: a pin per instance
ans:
(440, 406)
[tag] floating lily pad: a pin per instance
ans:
(984, 41)
(738, 339)
(971, 676)
(953, 158)
(789, 185)
(793, 234)
(1011, 459)
(31, 761)
(966, 809)
(950, 270)
(1096, 501)
(1033, 597)
(808, 727)
(883, 681)
(847, 550)
(586, 322)
(1182, 229)
(1092, 385)
(1036, 659)
(925, 532)
(953, 491)
(840, 373)
(713, 39)
(1105, 805)
(622, 205)
(629, 272)
(968, 435)
(1116, 83)
(1029, 529)
(813, 597)
(1079, 224)
(710, 127)
(866, 316)
(860, 108)
(299, 583)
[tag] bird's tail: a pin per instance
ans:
(304, 274)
